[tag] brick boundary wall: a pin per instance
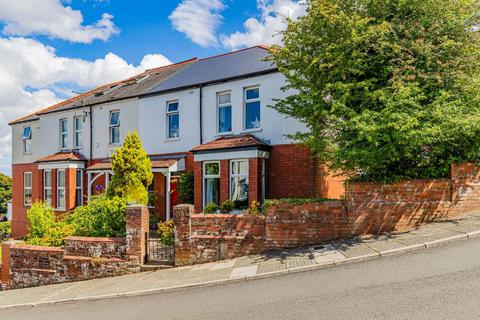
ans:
(81, 258)
(369, 208)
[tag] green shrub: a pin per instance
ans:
(166, 232)
(227, 206)
(41, 219)
(55, 235)
(102, 217)
(255, 207)
(211, 208)
(5, 229)
(132, 171)
(186, 188)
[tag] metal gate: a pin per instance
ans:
(157, 252)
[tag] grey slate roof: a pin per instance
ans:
(226, 66)
(193, 72)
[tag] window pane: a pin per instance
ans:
(78, 197)
(224, 98)
(239, 187)
(115, 118)
(61, 179)
(27, 133)
(173, 126)
(28, 196)
(64, 141)
(114, 135)
(64, 126)
(78, 181)
(78, 123)
(47, 179)
(173, 107)
(252, 115)
(61, 198)
(239, 167)
(48, 196)
(27, 146)
(212, 190)
(212, 169)
(78, 139)
(225, 119)
(253, 93)
(28, 180)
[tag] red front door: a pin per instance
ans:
(174, 195)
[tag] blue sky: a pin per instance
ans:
(48, 48)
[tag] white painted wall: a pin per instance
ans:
(50, 132)
(274, 126)
(17, 143)
(153, 122)
(9, 211)
(101, 117)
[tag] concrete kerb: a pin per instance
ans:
(307, 268)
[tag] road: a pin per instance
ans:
(436, 283)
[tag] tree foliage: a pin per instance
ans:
(5, 192)
(132, 171)
(387, 88)
(186, 187)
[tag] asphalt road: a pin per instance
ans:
(437, 283)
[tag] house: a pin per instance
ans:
(210, 117)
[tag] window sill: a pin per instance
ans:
(221, 134)
(252, 130)
(27, 153)
(114, 145)
(78, 148)
(172, 139)
(59, 209)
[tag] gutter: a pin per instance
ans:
(200, 90)
(91, 133)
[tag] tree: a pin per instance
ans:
(5, 192)
(387, 88)
(132, 171)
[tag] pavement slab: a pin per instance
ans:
(355, 250)
(384, 245)
(242, 272)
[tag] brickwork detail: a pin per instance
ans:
(369, 208)
(81, 258)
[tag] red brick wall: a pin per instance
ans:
(254, 179)
(294, 173)
(198, 186)
(224, 180)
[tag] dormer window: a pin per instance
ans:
(114, 127)
(27, 139)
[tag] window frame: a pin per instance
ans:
(168, 114)
(233, 175)
(27, 141)
(224, 105)
(76, 131)
(62, 134)
(45, 188)
(112, 127)
(245, 102)
(59, 188)
(25, 188)
(78, 188)
(210, 176)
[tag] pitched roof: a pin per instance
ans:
(231, 142)
(222, 67)
(164, 163)
(63, 156)
(131, 87)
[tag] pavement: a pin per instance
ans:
(332, 255)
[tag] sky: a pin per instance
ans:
(50, 48)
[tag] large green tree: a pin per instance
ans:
(389, 89)
(5, 192)
(132, 171)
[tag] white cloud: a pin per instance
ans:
(265, 29)
(31, 75)
(52, 18)
(198, 20)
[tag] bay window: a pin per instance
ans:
(61, 189)
(211, 182)
(239, 183)
(47, 187)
